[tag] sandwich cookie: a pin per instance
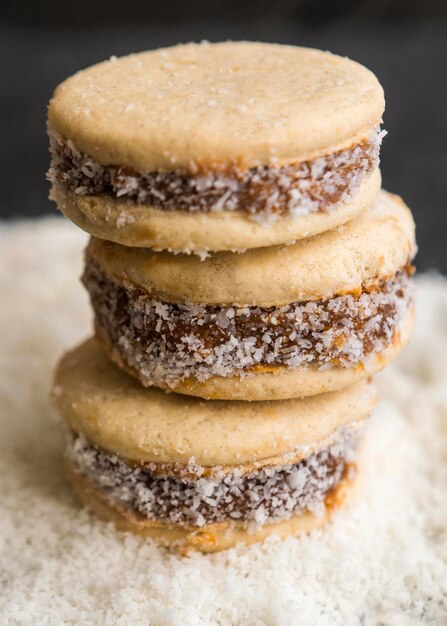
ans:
(200, 474)
(208, 147)
(272, 323)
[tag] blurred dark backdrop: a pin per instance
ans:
(403, 41)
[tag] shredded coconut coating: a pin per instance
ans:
(263, 495)
(382, 562)
(165, 343)
(264, 193)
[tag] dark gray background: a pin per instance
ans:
(404, 43)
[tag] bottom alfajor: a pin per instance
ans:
(205, 475)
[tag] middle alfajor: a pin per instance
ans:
(191, 473)
(272, 323)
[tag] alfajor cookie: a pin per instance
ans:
(271, 323)
(208, 147)
(202, 474)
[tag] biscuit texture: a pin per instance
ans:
(363, 252)
(212, 537)
(212, 103)
(141, 225)
(115, 413)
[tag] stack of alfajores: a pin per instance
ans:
(247, 277)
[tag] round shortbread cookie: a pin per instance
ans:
(212, 537)
(362, 253)
(214, 147)
(207, 103)
(117, 414)
(142, 225)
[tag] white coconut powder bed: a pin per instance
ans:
(382, 562)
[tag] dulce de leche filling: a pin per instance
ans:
(262, 193)
(263, 495)
(164, 342)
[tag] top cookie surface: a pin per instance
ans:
(364, 252)
(114, 412)
(253, 103)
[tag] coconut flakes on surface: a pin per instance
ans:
(263, 193)
(281, 491)
(382, 561)
(167, 342)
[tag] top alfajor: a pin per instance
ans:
(208, 147)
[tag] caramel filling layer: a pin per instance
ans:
(263, 193)
(164, 343)
(260, 496)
